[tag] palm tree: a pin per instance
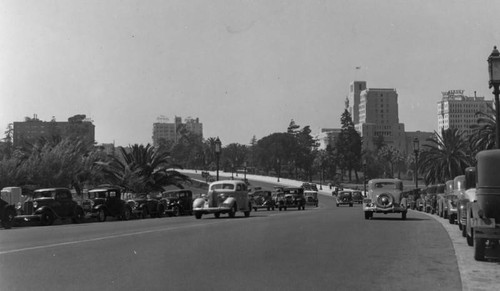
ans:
(142, 169)
(444, 156)
(483, 132)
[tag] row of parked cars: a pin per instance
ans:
(48, 204)
(472, 202)
(223, 197)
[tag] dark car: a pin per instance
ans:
(262, 199)
(47, 205)
(143, 205)
(177, 202)
(357, 197)
(344, 198)
(106, 201)
(293, 197)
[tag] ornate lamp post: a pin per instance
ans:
(217, 154)
(279, 168)
(416, 149)
(494, 72)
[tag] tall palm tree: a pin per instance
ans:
(444, 156)
(142, 169)
(483, 132)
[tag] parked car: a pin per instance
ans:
(224, 197)
(262, 199)
(385, 196)
(420, 202)
(10, 197)
(47, 205)
(465, 199)
(105, 201)
(459, 192)
(311, 197)
(143, 205)
(443, 204)
(344, 198)
(177, 202)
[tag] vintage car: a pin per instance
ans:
(309, 186)
(442, 203)
(226, 196)
(357, 197)
(262, 199)
(143, 205)
(292, 197)
(311, 197)
(385, 196)
(10, 197)
(105, 201)
(344, 198)
(458, 192)
(47, 205)
(177, 202)
(420, 202)
(464, 199)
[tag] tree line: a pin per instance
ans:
(293, 153)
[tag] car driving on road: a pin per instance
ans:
(385, 196)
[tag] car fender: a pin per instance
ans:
(198, 202)
(230, 201)
(43, 209)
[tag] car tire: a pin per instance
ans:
(198, 215)
(479, 248)
(350, 204)
(470, 238)
(247, 213)
(127, 213)
(8, 218)
(367, 215)
(79, 216)
(403, 215)
(161, 211)
(177, 211)
(47, 218)
(217, 214)
(464, 231)
(232, 211)
(451, 219)
(101, 215)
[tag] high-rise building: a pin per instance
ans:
(164, 131)
(377, 116)
(355, 89)
(32, 129)
(456, 110)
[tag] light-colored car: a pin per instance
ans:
(385, 196)
(228, 196)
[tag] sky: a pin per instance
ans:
(244, 68)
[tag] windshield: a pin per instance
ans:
(43, 194)
(388, 185)
(227, 186)
(97, 194)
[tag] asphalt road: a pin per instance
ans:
(324, 248)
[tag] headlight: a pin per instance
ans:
(35, 204)
(18, 205)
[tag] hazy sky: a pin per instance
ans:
(244, 68)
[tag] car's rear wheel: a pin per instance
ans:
(470, 238)
(232, 211)
(479, 247)
(350, 204)
(8, 218)
(368, 215)
(101, 215)
(217, 214)
(198, 215)
(126, 213)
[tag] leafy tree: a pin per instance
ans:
(142, 169)
(349, 146)
(444, 156)
(483, 132)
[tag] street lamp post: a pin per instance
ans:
(494, 72)
(217, 154)
(416, 149)
(245, 170)
(364, 177)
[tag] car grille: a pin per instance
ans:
(28, 208)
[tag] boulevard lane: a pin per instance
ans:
(321, 248)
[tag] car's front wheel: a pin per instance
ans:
(8, 218)
(198, 215)
(79, 216)
(126, 213)
(47, 218)
(232, 211)
(368, 215)
(101, 215)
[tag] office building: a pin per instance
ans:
(167, 132)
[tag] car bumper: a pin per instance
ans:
(208, 210)
(393, 209)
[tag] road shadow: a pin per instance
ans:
(399, 218)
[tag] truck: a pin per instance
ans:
(485, 210)
(10, 198)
